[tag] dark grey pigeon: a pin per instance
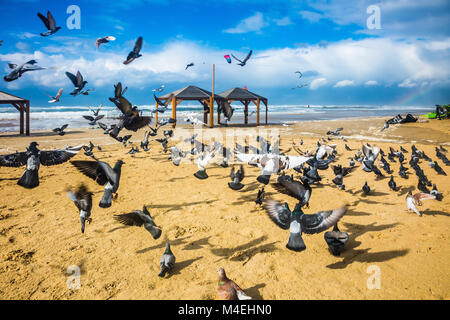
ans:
(83, 201)
(336, 240)
(32, 158)
(60, 131)
(135, 53)
(366, 188)
(392, 184)
(260, 196)
(49, 23)
(298, 222)
(167, 261)
(243, 62)
(92, 120)
(189, 65)
(435, 192)
(236, 178)
(103, 174)
(144, 143)
(296, 189)
(140, 218)
(19, 70)
(77, 81)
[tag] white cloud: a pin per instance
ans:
(316, 83)
(251, 24)
(283, 22)
(407, 83)
(344, 83)
(371, 83)
(311, 16)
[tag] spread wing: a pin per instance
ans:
(315, 223)
(79, 78)
(50, 158)
(139, 123)
(130, 219)
(17, 159)
(51, 21)
(421, 196)
(44, 20)
(138, 45)
(294, 162)
(278, 213)
(248, 157)
(236, 58)
(58, 95)
(248, 56)
(292, 188)
(124, 105)
(118, 90)
(72, 78)
(91, 169)
(90, 118)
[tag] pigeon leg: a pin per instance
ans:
(116, 195)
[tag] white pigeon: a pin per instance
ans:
(412, 201)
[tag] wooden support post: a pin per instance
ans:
(211, 106)
(156, 113)
(257, 112)
(205, 114)
(218, 115)
(174, 111)
(246, 113)
(27, 120)
(21, 118)
(266, 111)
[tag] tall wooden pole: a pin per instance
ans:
(211, 106)
(174, 111)
(257, 112)
(156, 113)
(27, 118)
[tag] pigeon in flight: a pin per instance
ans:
(144, 143)
(243, 62)
(176, 155)
(160, 89)
(135, 53)
(336, 240)
(164, 143)
(202, 161)
(56, 98)
(92, 120)
(32, 158)
(270, 163)
(298, 222)
(18, 71)
(106, 39)
(189, 65)
(296, 189)
(370, 155)
(50, 24)
(103, 174)
(412, 201)
(335, 132)
(1, 41)
(236, 178)
(164, 105)
(83, 201)
(228, 289)
(192, 120)
(77, 81)
(60, 131)
(167, 261)
(140, 218)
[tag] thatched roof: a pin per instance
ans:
(190, 93)
(9, 98)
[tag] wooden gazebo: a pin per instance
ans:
(192, 93)
(22, 105)
(245, 97)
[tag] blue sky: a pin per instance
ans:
(407, 61)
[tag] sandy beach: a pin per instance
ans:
(211, 226)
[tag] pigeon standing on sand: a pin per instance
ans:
(140, 218)
(412, 201)
(135, 53)
(49, 23)
(103, 174)
(202, 161)
(435, 192)
(236, 178)
(260, 196)
(83, 201)
(176, 155)
(167, 261)
(392, 185)
(297, 222)
(144, 143)
(366, 188)
(228, 289)
(336, 240)
(32, 158)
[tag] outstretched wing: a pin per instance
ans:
(44, 20)
(294, 162)
(124, 105)
(292, 188)
(138, 45)
(79, 78)
(51, 21)
(90, 118)
(236, 58)
(118, 90)
(17, 159)
(315, 223)
(421, 196)
(50, 158)
(129, 219)
(138, 123)
(278, 213)
(72, 78)
(92, 170)
(248, 56)
(58, 95)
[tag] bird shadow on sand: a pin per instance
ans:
(350, 254)
(181, 265)
(197, 244)
(163, 244)
(434, 213)
(406, 190)
(172, 207)
(254, 291)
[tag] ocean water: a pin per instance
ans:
(51, 116)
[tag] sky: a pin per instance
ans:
(404, 60)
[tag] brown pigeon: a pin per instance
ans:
(228, 289)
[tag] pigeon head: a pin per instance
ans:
(222, 274)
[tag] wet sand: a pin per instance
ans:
(212, 226)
